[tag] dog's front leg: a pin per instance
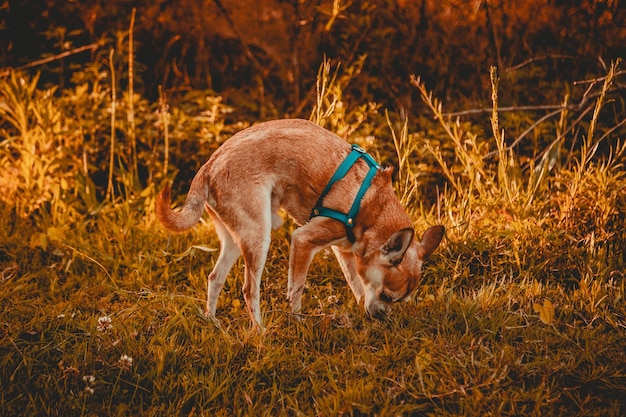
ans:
(347, 262)
(305, 243)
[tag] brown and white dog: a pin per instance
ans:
(286, 164)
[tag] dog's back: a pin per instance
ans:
(291, 160)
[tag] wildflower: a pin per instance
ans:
(332, 299)
(89, 379)
(126, 361)
(104, 324)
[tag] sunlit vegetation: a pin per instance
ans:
(521, 309)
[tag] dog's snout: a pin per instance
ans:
(377, 309)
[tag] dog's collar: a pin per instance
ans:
(347, 218)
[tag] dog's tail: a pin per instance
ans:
(189, 215)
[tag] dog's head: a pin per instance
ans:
(392, 273)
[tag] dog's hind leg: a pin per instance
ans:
(255, 247)
(251, 225)
(229, 253)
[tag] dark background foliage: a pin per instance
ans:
(268, 51)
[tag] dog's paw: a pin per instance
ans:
(210, 318)
(296, 317)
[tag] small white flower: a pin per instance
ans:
(89, 390)
(126, 361)
(89, 379)
(104, 324)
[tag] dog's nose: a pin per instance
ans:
(377, 309)
(385, 297)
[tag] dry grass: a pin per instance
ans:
(521, 310)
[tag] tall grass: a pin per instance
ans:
(520, 312)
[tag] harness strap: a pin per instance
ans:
(347, 218)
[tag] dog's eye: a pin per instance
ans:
(385, 297)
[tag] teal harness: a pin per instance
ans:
(347, 218)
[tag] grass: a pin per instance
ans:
(521, 310)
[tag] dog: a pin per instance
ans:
(295, 165)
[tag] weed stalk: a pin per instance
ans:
(110, 191)
(131, 97)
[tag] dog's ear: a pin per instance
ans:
(430, 240)
(393, 250)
